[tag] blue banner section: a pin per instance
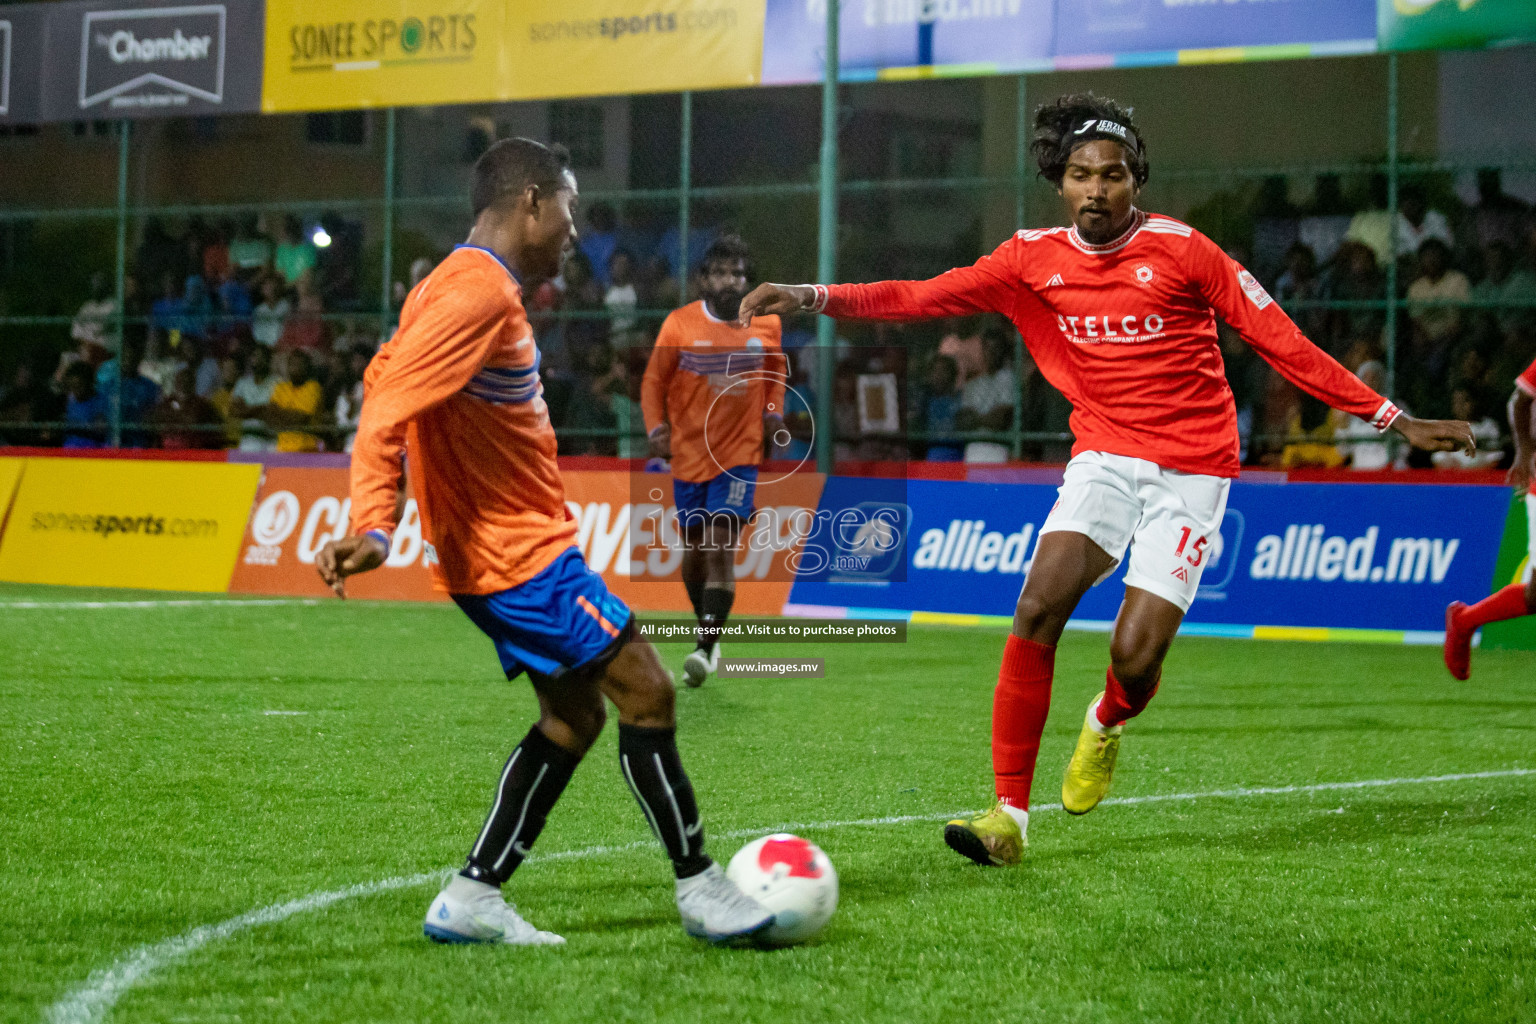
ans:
(1355, 556)
(1028, 35)
(875, 34)
(859, 534)
(1139, 26)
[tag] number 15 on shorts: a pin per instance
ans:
(1196, 550)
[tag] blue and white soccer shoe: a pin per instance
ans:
(471, 911)
(714, 908)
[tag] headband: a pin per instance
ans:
(1102, 128)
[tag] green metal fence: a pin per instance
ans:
(851, 195)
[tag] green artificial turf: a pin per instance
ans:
(144, 792)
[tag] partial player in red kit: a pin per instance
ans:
(1516, 599)
(1119, 311)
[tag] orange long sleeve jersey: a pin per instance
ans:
(713, 382)
(458, 387)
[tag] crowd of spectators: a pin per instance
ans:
(245, 342)
(232, 348)
(1467, 276)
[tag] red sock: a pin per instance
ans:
(1508, 603)
(1116, 707)
(1019, 707)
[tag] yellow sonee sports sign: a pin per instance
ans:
(605, 47)
(127, 523)
(347, 54)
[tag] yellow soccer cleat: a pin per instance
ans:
(1091, 768)
(987, 839)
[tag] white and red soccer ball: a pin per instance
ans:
(791, 877)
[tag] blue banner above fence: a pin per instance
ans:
(895, 39)
(1336, 556)
(1154, 27)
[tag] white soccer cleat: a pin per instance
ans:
(469, 911)
(699, 666)
(713, 907)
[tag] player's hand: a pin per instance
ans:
(772, 424)
(347, 557)
(660, 442)
(1436, 435)
(767, 299)
(1520, 472)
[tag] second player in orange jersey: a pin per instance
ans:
(713, 399)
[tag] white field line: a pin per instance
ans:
(184, 603)
(93, 999)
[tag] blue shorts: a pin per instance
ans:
(732, 492)
(562, 619)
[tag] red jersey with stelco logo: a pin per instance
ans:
(1127, 332)
(1527, 381)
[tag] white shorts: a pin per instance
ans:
(1167, 518)
(1530, 527)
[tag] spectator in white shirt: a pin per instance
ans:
(271, 315)
(621, 300)
(1485, 430)
(986, 403)
(1366, 447)
(253, 391)
(94, 321)
(1417, 223)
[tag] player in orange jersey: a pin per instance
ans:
(712, 393)
(458, 388)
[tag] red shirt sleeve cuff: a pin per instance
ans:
(1385, 415)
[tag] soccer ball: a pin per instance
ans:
(791, 877)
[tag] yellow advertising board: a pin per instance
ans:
(602, 47)
(10, 475)
(347, 54)
(127, 523)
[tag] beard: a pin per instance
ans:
(726, 304)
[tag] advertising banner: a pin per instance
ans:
(597, 47)
(632, 543)
(21, 63)
(125, 523)
(1333, 556)
(1449, 24)
(345, 54)
(10, 476)
(966, 36)
(361, 53)
(1514, 566)
(296, 512)
(147, 60)
(1148, 26)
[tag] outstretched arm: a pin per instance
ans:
(1243, 303)
(1525, 445)
(988, 285)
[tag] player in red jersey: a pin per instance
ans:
(1119, 311)
(458, 387)
(1516, 599)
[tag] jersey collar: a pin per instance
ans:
(1114, 245)
(504, 264)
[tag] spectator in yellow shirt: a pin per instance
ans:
(295, 402)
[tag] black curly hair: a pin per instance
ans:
(1062, 126)
(728, 248)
